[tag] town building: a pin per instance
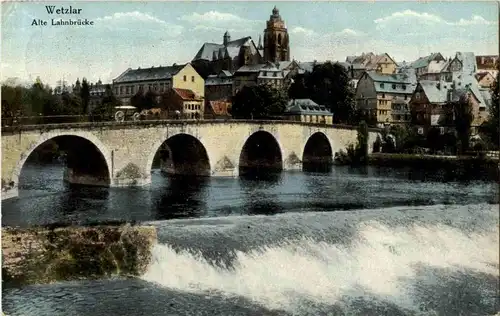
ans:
(382, 63)
(233, 54)
(184, 104)
(97, 93)
(431, 64)
(219, 87)
(268, 74)
(431, 102)
(487, 63)
(306, 110)
(384, 98)
(485, 79)
(157, 80)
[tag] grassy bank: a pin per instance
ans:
(463, 167)
(45, 255)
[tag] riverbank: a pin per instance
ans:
(463, 167)
(51, 254)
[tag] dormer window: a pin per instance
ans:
(394, 86)
(382, 85)
(404, 87)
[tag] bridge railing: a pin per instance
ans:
(51, 119)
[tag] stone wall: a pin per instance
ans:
(41, 255)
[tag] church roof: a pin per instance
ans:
(153, 73)
(207, 51)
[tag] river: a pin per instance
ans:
(371, 241)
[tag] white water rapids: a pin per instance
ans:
(379, 260)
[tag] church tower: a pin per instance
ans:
(276, 45)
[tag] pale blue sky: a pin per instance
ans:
(143, 34)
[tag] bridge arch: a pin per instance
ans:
(180, 154)
(88, 162)
(261, 152)
(318, 152)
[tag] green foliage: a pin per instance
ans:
(258, 102)
(37, 100)
(463, 119)
(362, 145)
(492, 126)
(15, 101)
(85, 96)
(105, 110)
(144, 101)
(328, 84)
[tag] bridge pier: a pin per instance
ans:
(73, 177)
(9, 193)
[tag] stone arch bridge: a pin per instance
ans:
(122, 154)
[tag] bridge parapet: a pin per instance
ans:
(149, 123)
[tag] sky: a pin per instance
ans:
(145, 34)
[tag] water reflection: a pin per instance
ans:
(45, 199)
(259, 192)
(183, 196)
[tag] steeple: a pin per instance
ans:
(276, 12)
(227, 38)
(260, 43)
(276, 40)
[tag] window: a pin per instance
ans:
(406, 96)
(383, 95)
(382, 85)
(394, 86)
(116, 90)
(121, 90)
(184, 78)
(192, 78)
(404, 87)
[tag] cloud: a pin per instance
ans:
(302, 31)
(397, 16)
(409, 16)
(475, 20)
(126, 20)
(219, 21)
(349, 32)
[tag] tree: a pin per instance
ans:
(85, 95)
(362, 146)
(463, 118)
(491, 127)
(329, 85)
(43, 102)
(106, 109)
(258, 102)
(298, 89)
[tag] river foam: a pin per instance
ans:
(379, 262)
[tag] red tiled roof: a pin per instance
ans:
(186, 94)
(220, 107)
